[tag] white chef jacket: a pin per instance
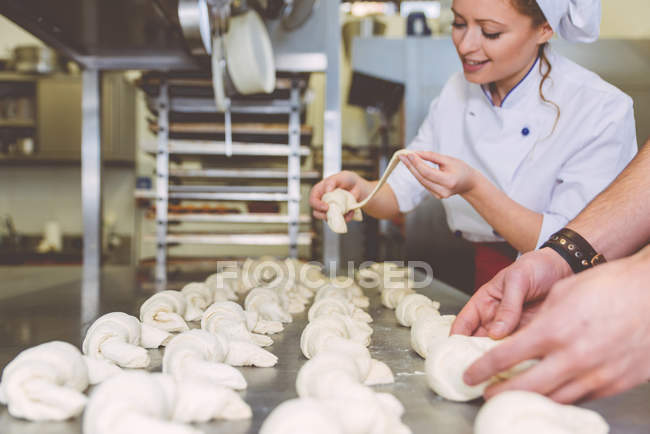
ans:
(555, 173)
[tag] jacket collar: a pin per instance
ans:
(521, 91)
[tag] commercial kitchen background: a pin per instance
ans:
(35, 191)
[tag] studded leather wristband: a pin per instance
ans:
(574, 249)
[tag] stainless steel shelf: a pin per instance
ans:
(264, 197)
(227, 189)
(241, 173)
(304, 239)
(17, 123)
(207, 105)
(292, 132)
(235, 218)
(205, 147)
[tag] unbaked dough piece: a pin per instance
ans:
(361, 410)
(229, 319)
(372, 371)
(315, 336)
(334, 379)
(340, 202)
(230, 352)
(391, 297)
(309, 275)
(300, 416)
(407, 310)
(223, 287)
(198, 296)
(447, 361)
(115, 337)
(248, 354)
(199, 402)
(449, 358)
(356, 293)
(380, 275)
(133, 402)
(332, 290)
(165, 310)
(267, 304)
(369, 277)
(45, 383)
(328, 375)
(346, 362)
(394, 161)
(306, 273)
(328, 305)
(256, 273)
(515, 412)
(428, 326)
(198, 355)
(152, 337)
(291, 298)
(100, 370)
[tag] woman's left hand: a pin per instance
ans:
(452, 176)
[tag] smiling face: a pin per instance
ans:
(495, 42)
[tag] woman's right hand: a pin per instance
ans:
(350, 181)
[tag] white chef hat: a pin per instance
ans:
(573, 20)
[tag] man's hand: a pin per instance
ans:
(592, 336)
(512, 297)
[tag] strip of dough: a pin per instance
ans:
(341, 201)
(394, 161)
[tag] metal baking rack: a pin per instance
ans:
(187, 124)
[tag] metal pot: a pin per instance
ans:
(35, 59)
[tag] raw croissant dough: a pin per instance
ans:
(267, 304)
(100, 370)
(391, 297)
(329, 305)
(45, 383)
(380, 274)
(115, 337)
(411, 306)
(449, 358)
(429, 326)
(165, 310)
(340, 203)
(199, 356)
(515, 412)
(197, 401)
(348, 361)
(350, 292)
(144, 407)
(229, 319)
(447, 361)
(316, 335)
(330, 388)
(198, 296)
(300, 416)
(142, 402)
(222, 287)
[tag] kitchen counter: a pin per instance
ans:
(55, 311)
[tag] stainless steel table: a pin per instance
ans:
(55, 311)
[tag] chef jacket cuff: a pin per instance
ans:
(551, 223)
